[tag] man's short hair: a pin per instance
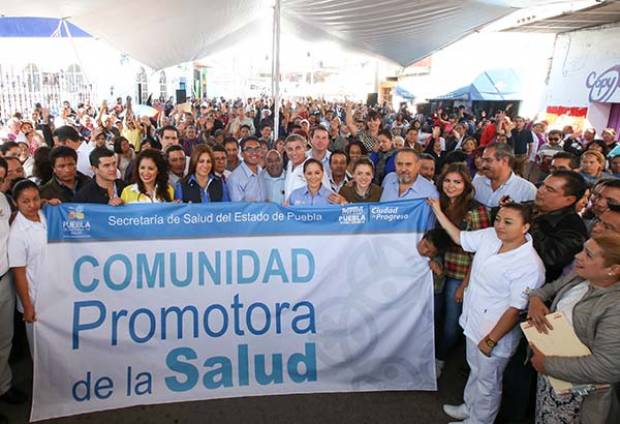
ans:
(574, 183)
(62, 152)
(296, 137)
(248, 138)
(502, 151)
(8, 145)
(98, 153)
(168, 128)
(246, 126)
(230, 139)
(408, 150)
(338, 152)
(386, 133)
(218, 148)
(425, 156)
(65, 133)
(412, 128)
(174, 148)
(319, 128)
(573, 159)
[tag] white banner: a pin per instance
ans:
(129, 322)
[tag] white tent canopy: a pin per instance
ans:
(162, 34)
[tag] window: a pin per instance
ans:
(32, 78)
(74, 80)
(163, 86)
(142, 86)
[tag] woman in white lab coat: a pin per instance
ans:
(504, 269)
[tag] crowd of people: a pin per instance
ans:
(527, 218)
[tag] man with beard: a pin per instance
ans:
(406, 183)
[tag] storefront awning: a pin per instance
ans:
(404, 93)
(492, 85)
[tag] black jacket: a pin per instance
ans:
(54, 190)
(191, 190)
(93, 193)
(558, 236)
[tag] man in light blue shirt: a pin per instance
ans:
(273, 177)
(497, 181)
(406, 183)
(319, 143)
(244, 184)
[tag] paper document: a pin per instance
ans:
(561, 341)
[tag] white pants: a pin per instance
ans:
(7, 311)
(483, 392)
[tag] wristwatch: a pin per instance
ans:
(490, 342)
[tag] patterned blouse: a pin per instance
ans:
(456, 261)
(367, 140)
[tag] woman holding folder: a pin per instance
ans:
(589, 299)
(504, 268)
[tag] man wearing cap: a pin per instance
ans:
(68, 136)
(239, 120)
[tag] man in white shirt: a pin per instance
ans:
(296, 152)
(497, 181)
(238, 121)
(68, 136)
(273, 176)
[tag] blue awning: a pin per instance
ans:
(37, 27)
(493, 85)
(401, 92)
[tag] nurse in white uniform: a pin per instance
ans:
(504, 269)
(27, 242)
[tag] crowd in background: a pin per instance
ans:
(527, 218)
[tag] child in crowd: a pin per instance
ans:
(433, 245)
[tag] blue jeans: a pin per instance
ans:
(451, 330)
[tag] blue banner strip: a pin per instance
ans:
(89, 222)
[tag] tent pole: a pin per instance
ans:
(275, 74)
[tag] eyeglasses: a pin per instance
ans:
(252, 150)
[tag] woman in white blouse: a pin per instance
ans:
(27, 241)
(504, 269)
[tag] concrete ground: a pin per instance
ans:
(343, 408)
